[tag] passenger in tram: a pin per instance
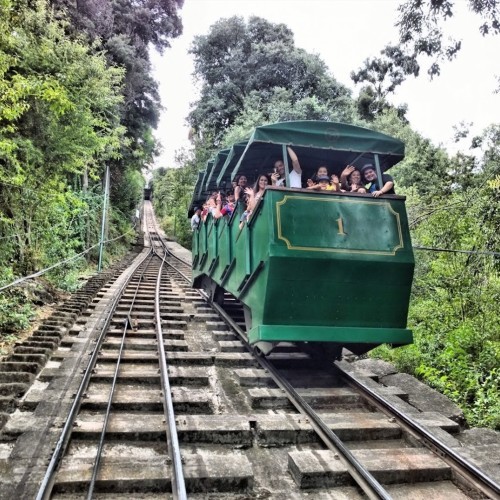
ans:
(350, 180)
(335, 182)
(196, 219)
(278, 177)
(208, 208)
(239, 190)
(246, 214)
(256, 193)
(370, 176)
(323, 184)
(225, 207)
(204, 212)
(212, 204)
(322, 173)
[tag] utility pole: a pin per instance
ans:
(104, 211)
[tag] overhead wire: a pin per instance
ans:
(43, 271)
(468, 252)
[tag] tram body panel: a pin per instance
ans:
(314, 267)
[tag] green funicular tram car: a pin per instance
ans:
(309, 266)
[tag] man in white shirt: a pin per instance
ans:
(295, 176)
(195, 219)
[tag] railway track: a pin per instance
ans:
(97, 422)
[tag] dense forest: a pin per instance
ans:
(77, 96)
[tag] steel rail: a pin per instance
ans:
(475, 476)
(60, 448)
(178, 483)
(100, 446)
(360, 474)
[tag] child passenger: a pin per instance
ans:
(246, 215)
(323, 184)
(225, 207)
(323, 181)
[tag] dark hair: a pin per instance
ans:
(366, 167)
(255, 187)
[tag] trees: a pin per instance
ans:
(454, 311)
(126, 30)
(238, 59)
(421, 28)
(173, 189)
(75, 94)
(421, 37)
(57, 119)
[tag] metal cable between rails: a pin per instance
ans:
(363, 477)
(483, 482)
(100, 446)
(487, 485)
(47, 482)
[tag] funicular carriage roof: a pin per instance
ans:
(316, 143)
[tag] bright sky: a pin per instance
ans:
(344, 33)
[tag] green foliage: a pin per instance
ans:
(454, 308)
(172, 194)
(127, 190)
(421, 33)
(252, 74)
(75, 94)
(15, 312)
(278, 105)
(127, 30)
(425, 168)
(56, 114)
(237, 60)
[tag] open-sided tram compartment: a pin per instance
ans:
(317, 267)
(313, 266)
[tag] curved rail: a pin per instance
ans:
(370, 485)
(361, 475)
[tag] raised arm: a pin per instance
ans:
(251, 198)
(295, 160)
(217, 214)
(345, 175)
(238, 192)
(347, 172)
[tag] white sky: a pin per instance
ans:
(344, 33)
